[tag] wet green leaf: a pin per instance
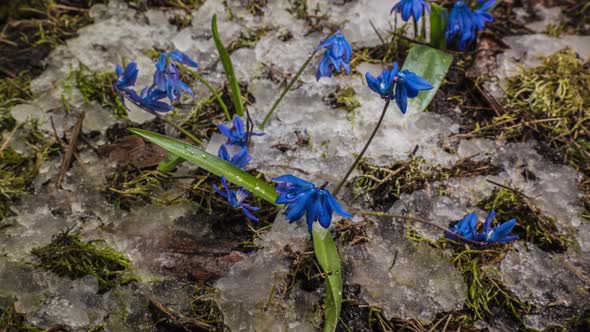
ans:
(439, 16)
(432, 65)
(211, 163)
(327, 256)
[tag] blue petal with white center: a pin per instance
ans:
(236, 199)
(304, 198)
(237, 134)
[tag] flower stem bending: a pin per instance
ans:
(214, 92)
(420, 220)
(295, 78)
(362, 153)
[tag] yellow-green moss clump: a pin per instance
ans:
(68, 255)
(97, 87)
(552, 102)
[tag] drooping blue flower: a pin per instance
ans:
(167, 75)
(236, 199)
(126, 78)
(482, 15)
(382, 84)
(336, 56)
(151, 99)
(462, 27)
(240, 159)
(237, 135)
(500, 233)
(467, 228)
(407, 85)
(304, 198)
(413, 8)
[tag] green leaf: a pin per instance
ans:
(211, 163)
(169, 163)
(327, 255)
(430, 64)
(439, 16)
(229, 69)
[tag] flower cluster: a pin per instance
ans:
(467, 228)
(166, 83)
(237, 139)
(413, 8)
(463, 23)
(407, 85)
(305, 198)
(337, 55)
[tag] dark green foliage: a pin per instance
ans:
(68, 255)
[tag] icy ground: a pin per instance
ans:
(422, 283)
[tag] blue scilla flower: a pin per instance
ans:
(336, 56)
(151, 99)
(500, 233)
(126, 78)
(461, 27)
(240, 159)
(167, 75)
(407, 85)
(482, 15)
(467, 228)
(304, 198)
(236, 199)
(413, 8)
(237, 135)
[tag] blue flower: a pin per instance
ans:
(150, 99)
(236, 199)
(467, 228)
(337, 55)
(415, 8)
(461, 27)
(237, 135)
(304, 198)
(167, 75)
(500, 233)
(126, 78)
(407, 85)
(240, 159)
(482, 15)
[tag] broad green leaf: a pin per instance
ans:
(430, 64)
(169, 163)
(228, 68)
(211, 163)
(439, 16)
(327, 255)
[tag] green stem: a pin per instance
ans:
(214, 92)
(299, 72)
(360, 156)
(423, 32)
(420, 220)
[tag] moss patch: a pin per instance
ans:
(97, 87)
(344, 98)
(68, 255)
(11, 321)
(531, 225)
(129, 187)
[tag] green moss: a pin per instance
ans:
(386, 184)
(344, 98)
(531, 225)
(68, 255)
(97, 87)
(552, 103)
(256, 7)
(248, 38)
(17, 170)
(11, 321)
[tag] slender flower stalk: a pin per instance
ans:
(214, 92)
(287, 88)
(362, 153)
(420, 220)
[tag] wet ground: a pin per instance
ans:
(102, 241)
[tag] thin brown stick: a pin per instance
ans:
(67, 160)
